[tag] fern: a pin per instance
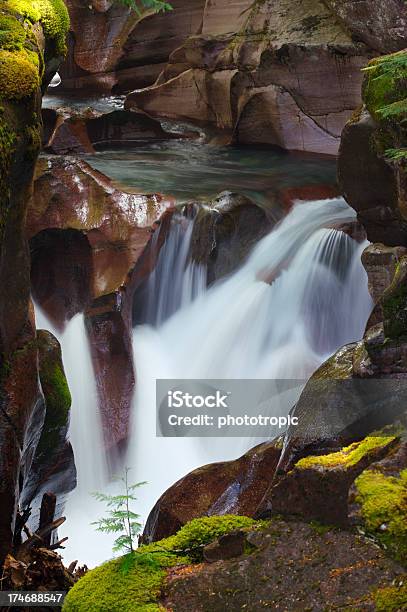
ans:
(120, 518)
(156, 5)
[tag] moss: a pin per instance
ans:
(52, 14)
(383, 501)
(135, 581)
(392, 598)
(12, 33)
(394, 303)
(384, 86)
(19, 75)
(348, 456)
(56, 392)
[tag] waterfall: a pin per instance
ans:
(86, 437)
(300, 296)
(175, 281)
(280, 316)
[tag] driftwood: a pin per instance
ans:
(33, 563)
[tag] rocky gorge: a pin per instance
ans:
(148, 198)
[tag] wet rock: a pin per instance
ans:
(295, 567)
(82, 132)
(381, 26)
(77, 211)
(232, 487)
(53, 467)
(225, 231)
(289, 195)
(380, 263)
(368, 182)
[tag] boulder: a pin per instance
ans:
(220, 488)
(225, 232)
(317, 487)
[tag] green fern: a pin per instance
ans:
(156, 5)
(120, 518)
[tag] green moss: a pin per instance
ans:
(19, 75)
(348, 456)
(384, 86)
(56, 393)
(52, 14)
(392, 598)
(394, 303)
(12, 33)
(383, 501)
(134, 583)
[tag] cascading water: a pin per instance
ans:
(175, 281)
(86, 436)
(280, 316)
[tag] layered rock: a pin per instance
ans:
(28, 29)
(86, 239)
(288, 75)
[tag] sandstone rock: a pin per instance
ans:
(289, 77)
(220, 488)
(381, 26)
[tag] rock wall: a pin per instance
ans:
(28, 30)
(279, 73)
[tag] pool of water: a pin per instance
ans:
(191, 170)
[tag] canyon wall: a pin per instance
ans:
(31, 47)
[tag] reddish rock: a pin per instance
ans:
(259, 86)
(289, 195)
(86, 238)
(81, 132)
(233, 487)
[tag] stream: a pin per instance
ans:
(242, 327)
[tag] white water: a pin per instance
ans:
(245, 328)
(85, 434)
(315, 300)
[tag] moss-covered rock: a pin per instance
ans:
(135, 581)
(347, 457)
(392, 598)
(52, 14)
(384, 91)
(383, 501)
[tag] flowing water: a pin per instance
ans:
(301, 294)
